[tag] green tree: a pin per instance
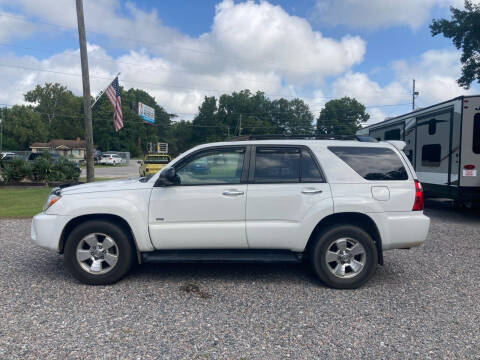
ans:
(206, 127)
(464, 30)
(292, 117)
(60, 110)
(22, 126)
(341, 117)
(180, 137)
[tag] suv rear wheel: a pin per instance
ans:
(344, 256)
(98, 253)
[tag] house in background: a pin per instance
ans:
(70, 149)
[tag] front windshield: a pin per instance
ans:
(157, 160)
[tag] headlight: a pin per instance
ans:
(53, 197)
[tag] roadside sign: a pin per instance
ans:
(162, 148)
(146, 112)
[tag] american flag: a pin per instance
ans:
(113, 94)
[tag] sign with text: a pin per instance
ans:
(147, 113)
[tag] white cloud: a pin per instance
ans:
(373, 14)
(251, 45)
(359, 86)
(9, 28)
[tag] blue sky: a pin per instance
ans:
(181, 51)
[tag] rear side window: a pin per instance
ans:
(277, 165)
(476, 134)
(372, 163)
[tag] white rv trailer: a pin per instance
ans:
(443, 144)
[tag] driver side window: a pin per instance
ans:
(216, 166)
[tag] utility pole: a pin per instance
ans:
(2, 121)
(240, 126)
(86, 91)
(414, 93)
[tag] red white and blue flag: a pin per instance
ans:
(113, 94)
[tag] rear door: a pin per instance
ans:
(286, 188)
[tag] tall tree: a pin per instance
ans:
(61, 111)
(464, 30)
(206, 128)
(341, 117)
(22, 127)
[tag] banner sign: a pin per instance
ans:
(147, 113)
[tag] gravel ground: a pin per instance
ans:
(422, 304)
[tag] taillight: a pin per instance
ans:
(418, 204)
(469, 167)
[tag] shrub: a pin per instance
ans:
(15, 170)
(64, 169)
(41, 169)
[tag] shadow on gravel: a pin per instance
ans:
(441, 209)
(265, 273)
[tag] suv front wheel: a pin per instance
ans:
(98, 253)
(344, 256)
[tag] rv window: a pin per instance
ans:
(393, 134)
(431, 155)
(372, 163)
(476, 134)
(432, 126)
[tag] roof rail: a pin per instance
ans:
(361, 138)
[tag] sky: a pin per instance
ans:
(181, 51)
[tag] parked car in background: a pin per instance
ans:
(4, 155)
(52, 156)
(336, 205)
(111, 159)
(153, 163)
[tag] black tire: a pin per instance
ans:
(126, 252)
(325, 271)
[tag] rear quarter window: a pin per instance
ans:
(372, 163)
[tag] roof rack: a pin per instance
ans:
(361, 138)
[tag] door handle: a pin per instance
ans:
(311, 191)
(233, 192)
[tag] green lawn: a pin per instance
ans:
(21, 203)
(16, 203)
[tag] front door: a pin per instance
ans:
(206, 208)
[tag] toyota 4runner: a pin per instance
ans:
(335, 204)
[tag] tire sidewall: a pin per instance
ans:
(321, 245)
(124, 245)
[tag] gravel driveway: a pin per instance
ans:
(424, 303)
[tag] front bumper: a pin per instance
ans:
(46, 230)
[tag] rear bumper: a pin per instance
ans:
(46, 230)
(400, 230)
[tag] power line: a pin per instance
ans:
(139, 66)
(218, 91)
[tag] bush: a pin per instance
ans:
(64, 169)
(15, 170)
(42, 170)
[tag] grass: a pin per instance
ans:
(25, 202)
(17, 203)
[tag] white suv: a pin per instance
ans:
(335, 204)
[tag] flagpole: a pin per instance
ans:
(103, 91)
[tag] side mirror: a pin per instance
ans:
(167, 177)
